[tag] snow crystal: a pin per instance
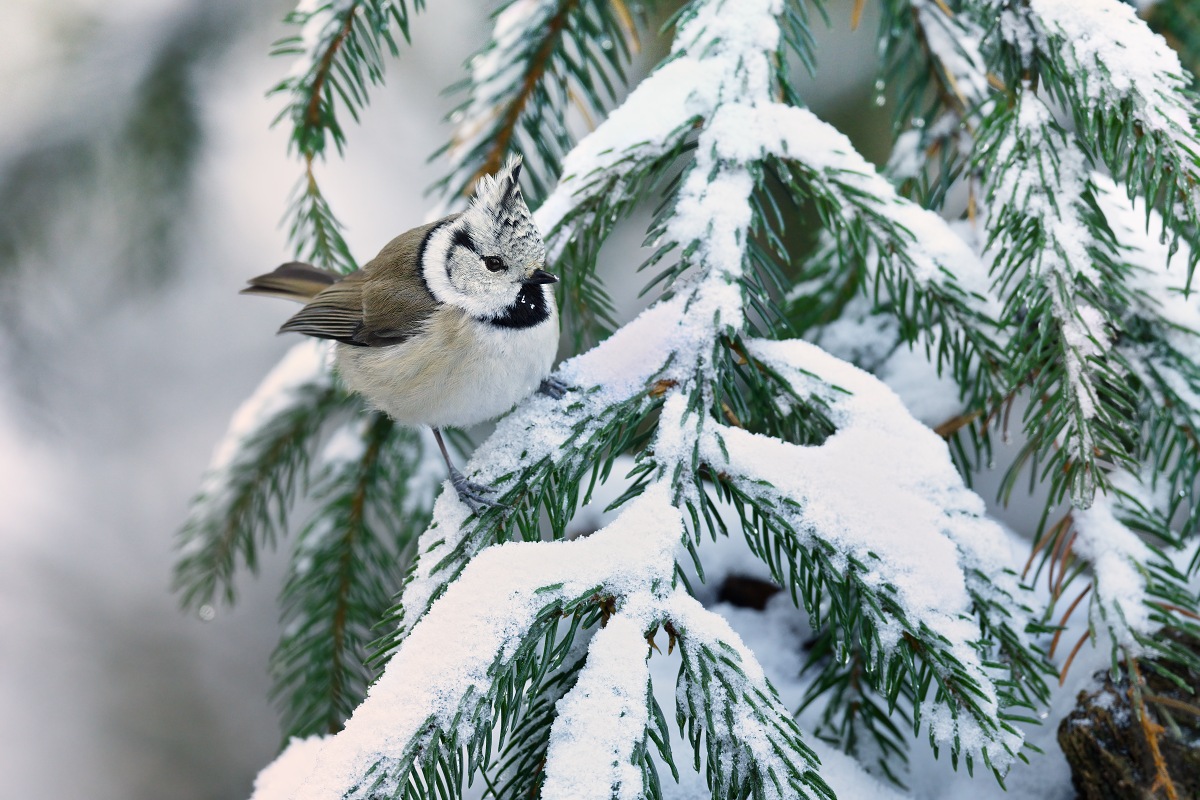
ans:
(602, 719)
(714, 212)
(621, 365)
(675, 437)
(1024, 188)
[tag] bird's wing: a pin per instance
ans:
(336, 312)
(396, 302)
(386, 302)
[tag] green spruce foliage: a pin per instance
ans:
(1031, 243)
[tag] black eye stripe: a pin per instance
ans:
(463, 239)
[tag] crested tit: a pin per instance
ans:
(451, 324)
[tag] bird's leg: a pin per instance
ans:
(553, 387)
(473, 494)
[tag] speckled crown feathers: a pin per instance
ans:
(498, 214)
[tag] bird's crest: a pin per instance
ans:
(498, 214)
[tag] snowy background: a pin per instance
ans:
(140, 185)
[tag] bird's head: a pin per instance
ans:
(490, 259)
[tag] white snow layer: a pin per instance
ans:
(1121, 58)
(489, 608)
(721, 72)
(602, 719)
(902, 511)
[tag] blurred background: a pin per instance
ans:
(141, 183)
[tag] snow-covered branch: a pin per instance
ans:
(1128, 95)
(899, 526)
(541, 61)
(254, 471)
(1045, 243)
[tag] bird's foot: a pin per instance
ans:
(475, 495)
(553, 387)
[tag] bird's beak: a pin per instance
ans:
(540, 276)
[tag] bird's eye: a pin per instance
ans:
(493, 263)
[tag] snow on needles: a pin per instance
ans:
(602, 719)
(1035, 153)
(721, 74)
(1162, 298)
(305, 366)
(954, 40)
(647, 125)
(900, 511)
(1116, 555)
(491, 608)
(1121, 59)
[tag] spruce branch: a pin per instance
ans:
(519, 764)
(1160, 342)
(851, 585)
(338, 58)
(1051, 258)
(1136, 588)
(542, 58)
(587, 760)
(855, 718)
(602, 180)
(890, 555)
(346, 565)
(314, 231)
(939, 102)
(722, 694)
(1128, 95)
(255, 473)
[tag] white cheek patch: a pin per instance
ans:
(454, 276)
(434, 259)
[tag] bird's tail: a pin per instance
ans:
(292, 281)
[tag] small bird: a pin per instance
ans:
(450, 325)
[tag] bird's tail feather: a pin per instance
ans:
(292, 281)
